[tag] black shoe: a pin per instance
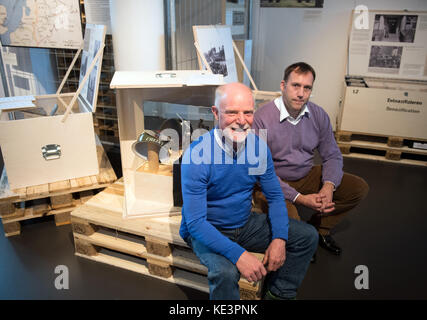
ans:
(328, 243)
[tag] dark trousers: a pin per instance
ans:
(349, 194)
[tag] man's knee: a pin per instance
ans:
(354, 188)
(305, 234)
(223, 271)
(360, 189)
(363, 188)
(312, 236)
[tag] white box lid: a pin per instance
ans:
(160, 79)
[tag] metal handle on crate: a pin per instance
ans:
(165, 75)
(51, 151)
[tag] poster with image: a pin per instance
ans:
(389, 44)
(216, 44)
(93, 41)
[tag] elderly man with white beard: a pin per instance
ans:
(217, 221)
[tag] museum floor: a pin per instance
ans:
(386, 233)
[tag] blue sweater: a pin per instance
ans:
(217, 192)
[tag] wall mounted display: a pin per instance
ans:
(292, 3)
(41, 23)
(392, 45)
(385, 92)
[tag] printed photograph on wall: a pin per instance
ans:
(292, 3)
(386, 57)
(215, 43)
(394, 28)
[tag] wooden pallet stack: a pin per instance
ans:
(382, 148)
(150, 246)
(58, 198)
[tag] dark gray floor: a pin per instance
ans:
(386, 233)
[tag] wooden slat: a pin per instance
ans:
(179, 277)
(59, 186)
(382, 158)
(11, 228)
(38, 191)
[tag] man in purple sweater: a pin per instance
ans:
(295, 128)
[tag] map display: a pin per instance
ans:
(40, 23)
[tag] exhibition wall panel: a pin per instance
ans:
(317, 36)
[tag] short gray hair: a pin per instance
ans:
(220, 93)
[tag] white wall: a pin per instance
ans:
(138, 34)
(319, 37)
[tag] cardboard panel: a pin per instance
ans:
(385, 112)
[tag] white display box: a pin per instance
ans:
(386, 89)
(385, 112)
(148, 194)
(43, 148)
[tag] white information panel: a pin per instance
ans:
(390, 44)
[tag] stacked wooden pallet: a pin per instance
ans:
(382, 148)
(150, 246)
(57, 198)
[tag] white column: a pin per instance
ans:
(138, 34)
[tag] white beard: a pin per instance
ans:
(238, 135)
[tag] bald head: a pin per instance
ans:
(225, 94)
(234, 110)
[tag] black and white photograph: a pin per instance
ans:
(216, 45)
(385, 57)
(394, 28)
(216, 59)
(93, 42)
(292, 3)
(92, 85)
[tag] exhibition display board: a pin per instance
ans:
(216, 53)
(385, 92)
(147, 166)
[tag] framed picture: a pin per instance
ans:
(216, 45)
(292, 3)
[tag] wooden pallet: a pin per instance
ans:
(106, 125)
(57, 198)
(150, 246)
(381, 148)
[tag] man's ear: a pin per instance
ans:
(215, 112)
(282, 85)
